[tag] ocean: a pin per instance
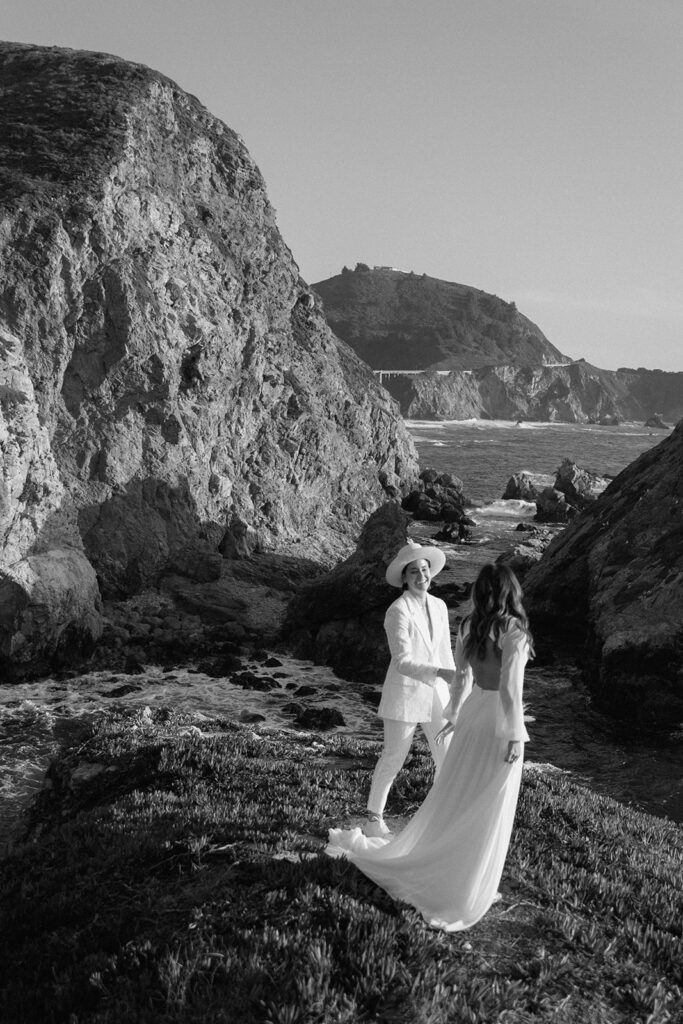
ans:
(484, 454)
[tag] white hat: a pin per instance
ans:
(410, 553)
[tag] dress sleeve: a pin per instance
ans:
(510, 717)
(397, 627)
(462, 684)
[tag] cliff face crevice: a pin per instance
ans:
(180, 375)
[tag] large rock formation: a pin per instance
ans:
(612, 583)
(338, 620)
(169, 385)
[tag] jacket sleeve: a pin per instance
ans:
(397, 627)
(510, 716)
(462, 684)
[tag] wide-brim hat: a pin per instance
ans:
(411, 553)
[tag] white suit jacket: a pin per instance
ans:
(410, 682)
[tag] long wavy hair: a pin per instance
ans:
(497, 600)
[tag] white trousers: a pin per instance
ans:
(398, 738)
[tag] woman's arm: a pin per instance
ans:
(510, 722)
(462, 683)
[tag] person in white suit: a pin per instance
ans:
(415, 690)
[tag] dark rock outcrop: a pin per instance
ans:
(338, 620)
(612, 584)
(553, 507)
(526, 486)
(656, 422)
(168, 382)
(579, 486)
(438, 497)
(558, 497)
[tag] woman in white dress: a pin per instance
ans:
(449, 859)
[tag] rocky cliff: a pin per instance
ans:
(500, 364)
(569, 393)
(612, 584)
(168, 385)
(404, 321)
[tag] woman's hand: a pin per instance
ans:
(514, 751)
(443, 733)
(447, 674)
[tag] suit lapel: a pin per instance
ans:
(420, 622)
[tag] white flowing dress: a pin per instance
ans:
(449, 859)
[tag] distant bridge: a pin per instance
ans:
(444, 373)
(412, 373)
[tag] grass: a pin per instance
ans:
(172, 876)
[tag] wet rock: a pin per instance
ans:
(320, 718)
(250, 681)
(293, 708)
(305, 691)
(579, 486)
(438, 496)
(527, 486)
(553, 507)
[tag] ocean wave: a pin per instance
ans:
(482, 424)
(504, 507)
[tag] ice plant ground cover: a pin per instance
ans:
(172, 874)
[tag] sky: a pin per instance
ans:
(530, 148)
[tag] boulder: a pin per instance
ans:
(526, 486)
(552, 507)
(578, 485)
(437, 497)
(321, 718)
(338, 619)
(611, 587)
(656, 422)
